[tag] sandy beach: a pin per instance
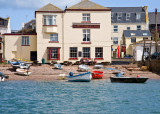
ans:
(48, 73)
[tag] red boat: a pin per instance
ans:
(97, 74)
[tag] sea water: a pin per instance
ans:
(99, 96)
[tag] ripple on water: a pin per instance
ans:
(65, 97)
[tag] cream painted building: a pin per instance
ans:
(75, 33)
(130, 37)
(127, 18)
(20, 46)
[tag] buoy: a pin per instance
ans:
(137, 76)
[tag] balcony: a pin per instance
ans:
(50, 28)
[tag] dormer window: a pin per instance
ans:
(138, 16)
(86, 17)
(145, 34)
(128, 16)
(112, 16)
(133, 34)
(119, 16)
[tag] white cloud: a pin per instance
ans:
(35, 4)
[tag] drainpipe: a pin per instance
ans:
(62, 37)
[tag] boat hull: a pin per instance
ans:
(97, 74)
(128, 79)
(85, 77)
(23, 72)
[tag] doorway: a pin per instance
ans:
(33, 55)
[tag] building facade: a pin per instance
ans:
(127, 18)
(65, 35)
(75, 33)
(4, 28)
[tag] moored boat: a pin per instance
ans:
(84, 77)
(58, 66)
(129, 79)
(23, 71)
(16, 65)
(97, 74)
(83, 68)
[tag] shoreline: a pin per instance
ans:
(48, 73)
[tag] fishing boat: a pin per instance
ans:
(83, 68)
(84, 77)
(97, 74)
(23, 71)
(129, 79)
(58, 66)
(3, 77)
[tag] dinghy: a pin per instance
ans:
(23, 71)
(83, 68)
(58, 66)
(84, 77)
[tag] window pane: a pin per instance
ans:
(86, 52)
(98, 52)
(133, 40)
(86, 35)
(73, 52)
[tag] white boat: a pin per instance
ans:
(84, 77)
(16, 65)
(58, 66)
(3, 77)
(98, 66)
(83, 68)
(23, 71)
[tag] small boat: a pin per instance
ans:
(98, 66)
(58, 66)
(23, 71)
(16, 65)
(3, 77)
(83, 68)
(84, 77)
(97, 74)
(129, 79)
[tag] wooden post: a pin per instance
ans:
(149, 58)
(156, 38)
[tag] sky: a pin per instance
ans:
(22, 11)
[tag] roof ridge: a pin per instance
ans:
(45, 8)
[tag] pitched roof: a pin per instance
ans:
(127, 9)
(49, 7)
(137, 33)
(87, 5)
(152, 17)
(133, 11)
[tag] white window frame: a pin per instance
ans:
(49, 19)
(25, 40)
(138, 27)
(115, 40)
(128, 15)
(54, 37)
(73, 52)
(119, 16)
(86, 35)
(86, 53)
(99, 52)
(138, 16)
(115, 28)
(54, 53)
(86, 17)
